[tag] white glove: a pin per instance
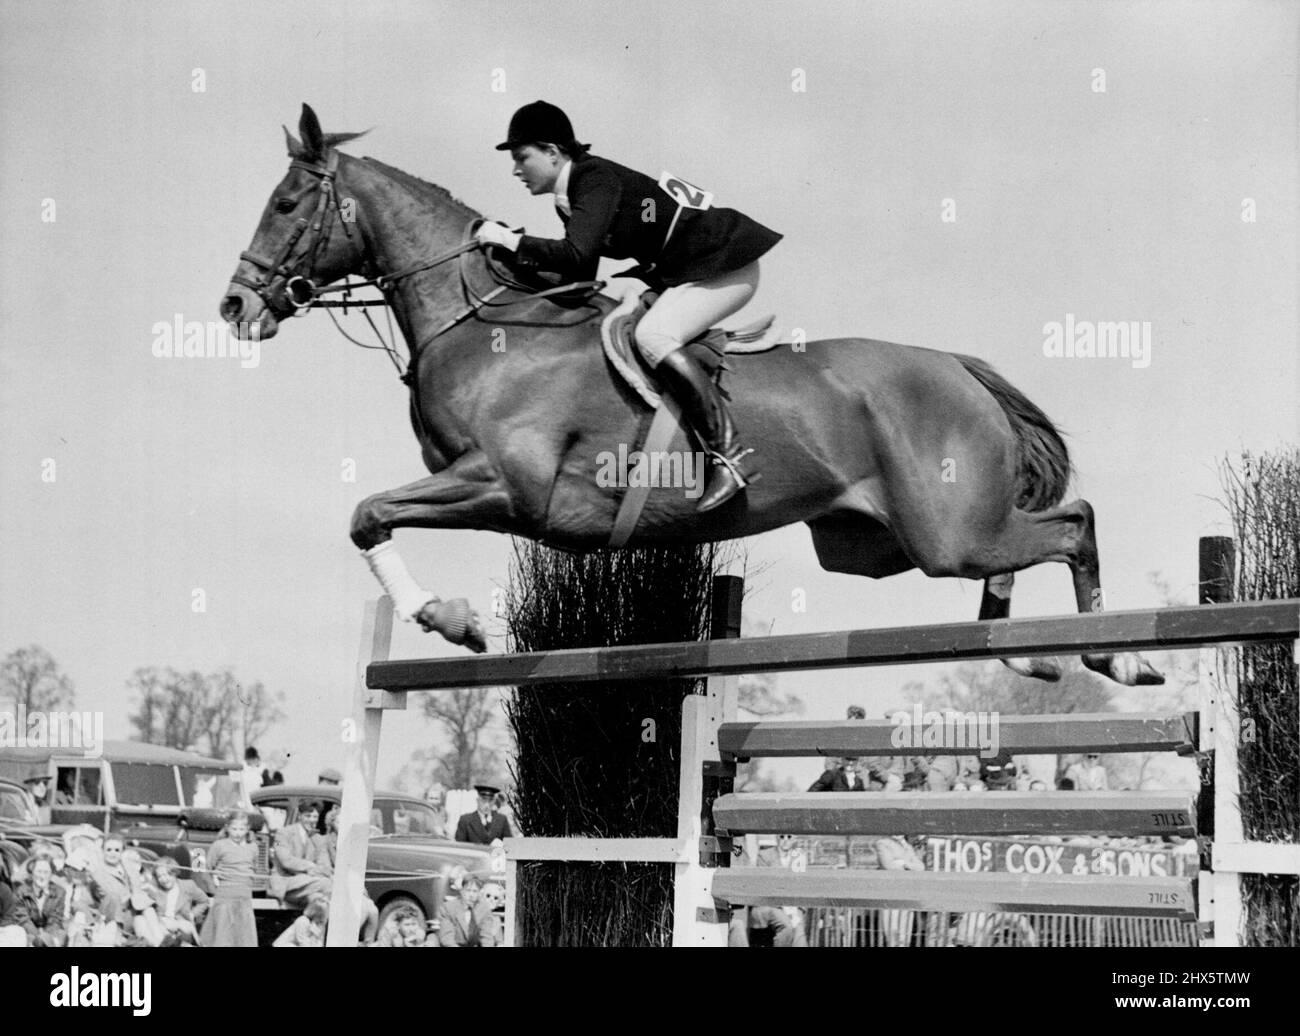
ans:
(496, 234)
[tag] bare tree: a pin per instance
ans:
(192, 712)
(31, 678)
(465, 717)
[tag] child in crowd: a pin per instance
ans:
(231, 859)
(309, 928)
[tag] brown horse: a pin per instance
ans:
(896, 457)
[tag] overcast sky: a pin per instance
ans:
(1122, 204)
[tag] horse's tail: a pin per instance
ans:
(1042, 461)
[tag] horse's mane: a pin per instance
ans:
(430, 191)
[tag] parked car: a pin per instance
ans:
(136, 789)
(407, 862)
(19, 819)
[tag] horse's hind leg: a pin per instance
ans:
(996, 604)
(1067, 533)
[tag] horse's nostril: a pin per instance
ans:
(232, 308)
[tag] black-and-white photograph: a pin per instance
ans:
(500, 474)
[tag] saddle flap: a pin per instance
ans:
(618, 331)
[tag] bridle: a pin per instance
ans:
(285, 266)
(287, 271)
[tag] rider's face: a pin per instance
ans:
(537, 167)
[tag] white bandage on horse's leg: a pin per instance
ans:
(390, 570)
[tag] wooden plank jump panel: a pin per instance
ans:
(1073, 634)
(1115, 813)
(958, 893)
(1028, 735)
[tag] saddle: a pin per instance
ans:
(710, 349)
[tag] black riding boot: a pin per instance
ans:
(707, 415)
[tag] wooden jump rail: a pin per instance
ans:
(1146, 630)
(709, 814)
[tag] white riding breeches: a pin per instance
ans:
(687, 310)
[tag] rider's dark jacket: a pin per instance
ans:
(621, 214)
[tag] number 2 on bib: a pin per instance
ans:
(686, 194)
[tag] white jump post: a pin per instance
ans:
(362, 755)
(696, 921)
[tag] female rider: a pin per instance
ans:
(703, 260)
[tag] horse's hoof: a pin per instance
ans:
(1035, 668)
(1127, 668)
(456, 621)
(475, 637)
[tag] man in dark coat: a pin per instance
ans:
(483, 826)
(844, 777)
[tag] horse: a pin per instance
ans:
(896, 457)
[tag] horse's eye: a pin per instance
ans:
(286, 205)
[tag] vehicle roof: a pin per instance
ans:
(323, 791)
(119, 752)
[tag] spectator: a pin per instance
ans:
(484, 826)
(13, 916)
(39, 786)
(781, 853)
(999, 772)
(296, 876)
(916, 775)
(1037, 785)
(845, 777)
(273, 773)
(464, 919)
(855, 712)
(1088, 774)
(405, 929)
(897, 854)
(175, 905)
(44, 902)
(436, 797)
(252, 774)
(139, 918)
(86, 924)
(110, 885)
(1065, 784)
(765, 926)
(326, 853)
(308, 929)
(231, 860)
(330, 776)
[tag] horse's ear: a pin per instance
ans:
(293, 143)
(313, 139)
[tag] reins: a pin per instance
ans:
(303, 295)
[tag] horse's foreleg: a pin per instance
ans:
(466, 495)
(996, 604)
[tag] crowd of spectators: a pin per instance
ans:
(774, 926)
(95, 890)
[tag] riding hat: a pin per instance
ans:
(539, 122)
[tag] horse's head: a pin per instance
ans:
(303, 239)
